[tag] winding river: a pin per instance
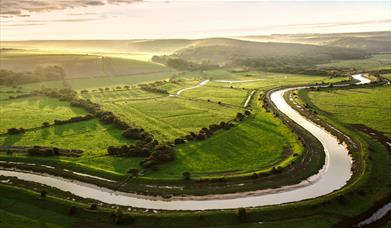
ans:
(334, 175)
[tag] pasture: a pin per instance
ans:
(71, 136)
(356, 106)
(33, 111)
(260, 142)
(170, 117)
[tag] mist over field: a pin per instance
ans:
(185, 113)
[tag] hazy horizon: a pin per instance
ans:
(191, 19)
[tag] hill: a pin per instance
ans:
(371, 42)
(76, 65)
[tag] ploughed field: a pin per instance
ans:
(258, 142)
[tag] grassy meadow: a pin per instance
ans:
(258, 143)
(33, 111)
(71, 136)
(170, 117)
(356, 106)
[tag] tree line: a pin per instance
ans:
(39, 74)
(146, 146)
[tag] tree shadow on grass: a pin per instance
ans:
(78, 127)
(45, 133)
(12, 139)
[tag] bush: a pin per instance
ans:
(93, 206)
(132, 133)
(179, 141)
(72, 210)
(239, 116)
(15, 131)
(186, 175)
(160, 154)
(201, 136)
(43, 193)
(133, 171)
(45, 124)
(241, 213)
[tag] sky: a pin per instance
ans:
(156, 19)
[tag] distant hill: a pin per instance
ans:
(231, 52)
(371, 42)
(77, 65)
(112, 46)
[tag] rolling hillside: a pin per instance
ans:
(77, 65)
(372, 42)
(225, 51)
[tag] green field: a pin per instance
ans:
(256, 144)
(259, 143)
(32, 112)
(375, 62)
(77, 65)
(236, 97)
(170, 117)
(72, 136)
(264, 80)
(357, 106)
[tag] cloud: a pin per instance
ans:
(9, 8)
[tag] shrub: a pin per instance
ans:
(132, 133)
(15, 131)
(239, 116)
(186, 175)
(179, 141)
(133, 171)
(43, 193)
(159, 155)
(72, 210)
(93, 206)
(241, 213)
(201, 136)
(45, 124)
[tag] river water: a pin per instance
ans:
(334, 175)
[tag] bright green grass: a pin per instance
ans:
(381, 61)
(256, 144)
(371, 106)
(120, 95)
(94, 83)
(33, 111)
(91, 136)
(170, 117)
(269, 80)
(225, 95)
